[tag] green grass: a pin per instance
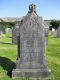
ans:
(8, 55)
(53, 57)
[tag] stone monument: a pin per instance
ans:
(58, 32)
(31, 61)
(2, 30)
(46, 33)
(14, 34)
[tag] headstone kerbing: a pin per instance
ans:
(31, 62)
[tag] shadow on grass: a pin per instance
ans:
(9, 36)
(6, 43)
(53, 36)
(7, 65)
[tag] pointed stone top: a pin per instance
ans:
(32, 8)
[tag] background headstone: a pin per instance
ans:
(58, 32)
(8, 31)
(14, 33)
(46, 26)
(2, 29)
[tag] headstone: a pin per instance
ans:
(58, 32)
(8, 31)
(2, 29)
(31, 61)
(1, 32)
(46, 33)
(54, 32)
(14, 34)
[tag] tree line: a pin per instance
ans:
(54, 24)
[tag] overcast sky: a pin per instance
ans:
(48, 9)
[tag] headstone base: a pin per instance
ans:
(30, 73)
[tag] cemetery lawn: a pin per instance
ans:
(8, 55)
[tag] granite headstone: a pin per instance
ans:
(15, 33)
(31, 61)
(58, 32)
(46, 33)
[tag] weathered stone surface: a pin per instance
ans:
(58, 32)
(14, 34)
(2, 29)
(46, 26)
(30, 73)
(8, 31)
(31, 60)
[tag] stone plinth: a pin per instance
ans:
(31, 73)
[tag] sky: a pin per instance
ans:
(48, 9)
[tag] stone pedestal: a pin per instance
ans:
(31, 73)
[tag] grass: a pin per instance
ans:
(53, 57)
(8, 55)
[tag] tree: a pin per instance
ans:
(11, 25)
(58, 21)
(54, 25)
(7, 24)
